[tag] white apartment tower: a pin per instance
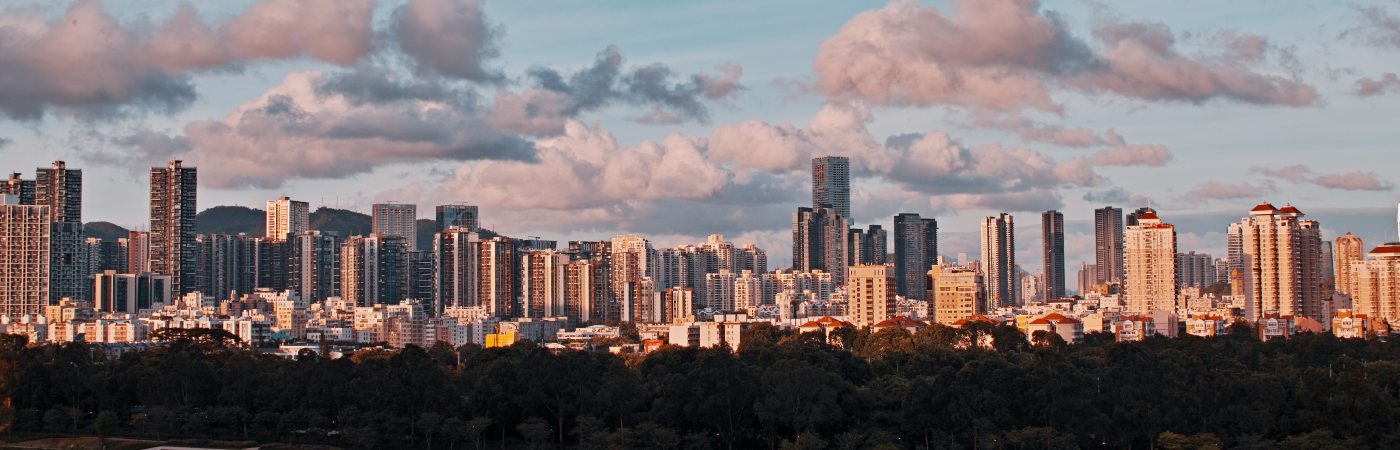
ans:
(999, 260)
(1282, 263)
(286, 217)
(1149, 265)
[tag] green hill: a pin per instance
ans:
(106, 231)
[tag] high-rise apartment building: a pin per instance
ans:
(1234, 250)
(315, 265)
(373, 269)
(25, 231)
(831, 184)
(879, 244)
(633, 259)
(543, 283)
(22, 189)
(1196, 270)
(397, 219)
(173, 250)
(1132, 218)
(457, 215)
(138, 251)
(1283, 264)
(955, 293)
(1149, 263)
(499, 271)
(870, 295)
(1346, 251)
(1052, 232)
(819, 241)
(1088, 276)
(999, 260)
(1108, 245)
(61, 189)
(287, 217)
(915, 250)
(458, 280)
(1376, 284)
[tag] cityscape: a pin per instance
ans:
(407, 239)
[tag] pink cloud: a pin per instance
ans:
(1386, 84)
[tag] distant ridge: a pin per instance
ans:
(251, 221)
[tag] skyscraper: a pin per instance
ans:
(819, 242)
(1376, 286)
(286, 217)
(24, 257)
(174, 251)
(999, 260)
(458, 262)
(315, 265)
(915, 250)
(1346, 251)
(457, 215)
(1196, 270)
(373, 269)
(499, 271)
(633, 260)
(542, 283)
(1132, 218)
(871, 294)
(1149, 261)
(1282, 263)
(1108, 244)
(879, 244)
(831, 184)
(61, 189)
(397, 219)
(1052, 231)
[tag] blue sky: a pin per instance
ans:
(1225, 150)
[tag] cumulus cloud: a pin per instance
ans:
(672, 98)
(1387, 83)
(90, 65)
(5, 142)
(1348, 181)
(307, 128)
(451, 38)
(1116, 196)
(1218, 190)
(1006, 56)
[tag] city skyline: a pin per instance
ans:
(1306, 64)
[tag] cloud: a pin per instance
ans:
(1007, 56)
(1379, 28)
(89, 65)
(1387, 84)
(672, 99)
(5, 142)
(306, 128)
(1348, 181)
(451, 38)
(1217, 190)
(1133, 155)
(1115, 196)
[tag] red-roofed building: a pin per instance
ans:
(1206, 325)
(825, 325)
(1069, 329)
(1134, 328)
(910, 325)
(1349, 325)
(1275, 326)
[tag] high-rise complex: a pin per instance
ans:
(61, 189)
(1108, 245)
(542, 281)
(1196, 270)
(24, 258)
(871, 295)
(138, 251)
(819, 241)
(499, 271)
(633, 261)
(1088, 276)
(955, 293)
(173, 250)
(286, 217)
(1346, 251)
(1132, 217)
(999, 260)
(867, 247)
(1282, 263)
(457, 215)
(397, 219)
(831, 184)
(915, 251)
(1149, 263)
(1052, 232)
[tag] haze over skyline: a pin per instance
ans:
(587, 120)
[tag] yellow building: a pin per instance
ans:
(871, 294)
(957, 293)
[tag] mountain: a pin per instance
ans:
(231, 220)
(106, 231)
(344, 222)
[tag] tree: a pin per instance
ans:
(536, 431)
(429, 422)
(475, 428)
(1172, 441)
(105, 423)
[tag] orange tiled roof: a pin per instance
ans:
(1266, 206)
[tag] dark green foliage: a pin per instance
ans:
(106, 231)
(893, 390)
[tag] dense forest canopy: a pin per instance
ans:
(779, 390)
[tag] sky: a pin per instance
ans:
(583, 120)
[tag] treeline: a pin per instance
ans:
(890, 390)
